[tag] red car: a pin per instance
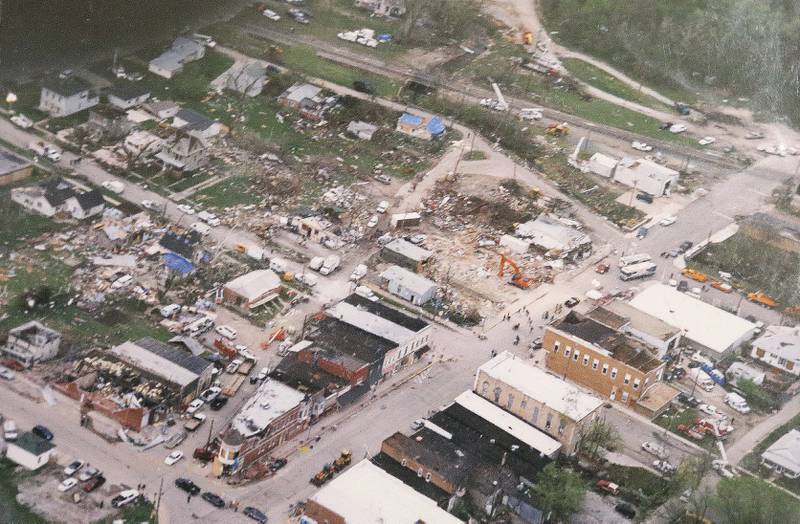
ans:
(602, 268)
(94, 483)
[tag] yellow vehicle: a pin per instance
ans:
(695, 275)
(527, 38)
(288, 276)
(762, 298)
(557, 129)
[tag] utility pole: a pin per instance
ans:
(210, 431)
(154, 516)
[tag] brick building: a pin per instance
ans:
(610, 363)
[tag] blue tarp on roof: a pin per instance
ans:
(408, 118)
(178, 263)
(436, 126)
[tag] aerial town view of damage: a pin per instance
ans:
(399, 261)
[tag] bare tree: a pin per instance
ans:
(599, 437)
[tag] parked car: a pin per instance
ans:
(169, 310)
(685, 246)
(226, 331)
(173, 458)
(10, 432)
(383, 179)
(417, 239)
(602, 268)
(183, 208)
(88, 474)
(626, 510)
(74, 467)
(417, 424)
(382, 207)
(124, 498)
(149, 204)
(708, 409)
(22, 121)
(214, 500)
(67, 484)
(218, 403)
(641, 146)
(373, 221)
(7, 373)
(233, 367)
(536, 343)
(655, 449)
(277, 464)
(723, 468)
(187, 485)
(194, 406)
(706, 140)
(359, 272)
(255, 514)
(644, 197)
(607, 485)
(114, 186)
(42, 432)
(363, 86)
(642, 232)
(664, 467)
(272, 15)
(572, 302)
(94, 483)
(668, 220)
(210, 394)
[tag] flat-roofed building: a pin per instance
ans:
(405, 254)
(13, 167)
(624, 318)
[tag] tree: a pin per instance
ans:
(559, 492)
(755, 395)
(749, 500)
(600, 436)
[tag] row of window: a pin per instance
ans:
(523, 405)
(595, 364)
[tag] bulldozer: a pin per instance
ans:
(342, 461)
(518, 278)
(324, 475)
(759, 297)
(557, 129)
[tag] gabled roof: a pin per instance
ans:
(90, 199)
(57, 190)
(408, 250)
(128, 90)
(195, 120)
(785, 452)
(183, 244)
(68, 86)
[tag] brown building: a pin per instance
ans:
(13, 168)
(610, 363)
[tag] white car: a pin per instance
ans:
(641, 146)
(22, 121)
(272, 15)
(668, 220)
(124, 498)
(194, 406)
(121, 282)
(677, 128)
(708, 409)
(173, 458)
(148, 204)
(417, 424)
(74, 467)
(226, 331)
(209, 394)
(358, 273)
(373, 221)
(114, 186)
(170, 310)
(262, 375)
(723, 468)
(364, 291)
(382, 207)
(706, 140)
(6, 373)
(183, 208)
(233, 367)
(655, 449)
(530, 113)
(67, 485)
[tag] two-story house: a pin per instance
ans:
(63, 96)
(32, 342)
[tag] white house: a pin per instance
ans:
(171, 62)
(779, 347)
(30, 451)
(32, 342)
(426, 128)
(248, 79)
(57, 195)
(408, 285)
(602, 165)
(646, 176)
(784, 455)
(126, 95)
(162, 109)
(65, 96)
(85, 205)
(362, 130)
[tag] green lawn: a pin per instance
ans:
(236, 190)
(752, 461)
(598, 78)
(11, 512)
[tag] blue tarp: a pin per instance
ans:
(177, 263)
(436, 126)
(384, 37)
(408, 118)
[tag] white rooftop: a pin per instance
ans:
(551, 391)
(415, 283)
(271, 400)
(150, 362)
(642, 167)
(366, 494)
(782, 341)
(299, 92)
(409, 250)
(255, 284)
(509, 423)
(370, 322)
(703, 323)
(551, 234)
(785, 451)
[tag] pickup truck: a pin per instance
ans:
(195, 422)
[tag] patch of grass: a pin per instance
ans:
(596, 77)
(233, 191)
(11, 512)
(640, 486)
(475, 154)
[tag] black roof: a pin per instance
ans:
(305, 377)
(182, 358)
(389, 313)
(90, 199)
(128, 90)
(68, 86)
(57, 190)
(410, 478)
(194, 119)
(182, 244)
(33, 444)
(334, 335)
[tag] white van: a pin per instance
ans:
(737, 402)
(629, 260)
(168, 311)
(227, 332)
(201, 228)
(316, 263)
(209, 218)
(364, 291)
(10, 431)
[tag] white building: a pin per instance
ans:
(66, 96)
(32, 342)
(248, 79)
(171, 62)
(424, 127)
(126, 95)
(362, 130)
(705, 327)
(784, 455)
(196, 124)
(555, 238)
(646, 176)
(779, 347)
(30, 451)
(366, 494)
(162, 109)
(185, 153)
(253, 289)
(740, 370)
(602, 165)
(57, 195)
(412, 287)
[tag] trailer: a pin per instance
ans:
(246, 367)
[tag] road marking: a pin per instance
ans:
(723, 215)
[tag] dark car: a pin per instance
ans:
(683, 286)
(277, 464)
(94, 483)
(218, 402)
(645, 197)
(43, 432)
(255, 514)
(685, 246)
(642, 233)
(625, 509)
(187, 485)
(364, 86)
(572, 302)
(214, 500)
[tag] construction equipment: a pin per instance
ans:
(343, 460)
(527, 38)
(518, 278)
(695, 275)
(557, 129)
(759, 297)
(325, 474)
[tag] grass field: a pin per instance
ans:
(11, 512)
(598, 78)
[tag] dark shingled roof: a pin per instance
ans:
(65, 86)
(184, 244)
(389, 313)
(57, 190)
(334, 335)
(33, 444)
(10, 162)
(305, 378)
(90, 199)
(128, 90)
(182, 358)
(194, 119)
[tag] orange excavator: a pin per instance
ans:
(517, 279)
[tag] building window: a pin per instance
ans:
(613, 373)
(605, 369)
(549, 421)
(576, 355)
(759, 352)
(636, 383)
(523, 405)
(627, 378)
(586, 360)
(484, 388)
(535, 415)
(561, 427)
(624, 396)
(510, 401)
(595, 363)
(781, 361)
(497, 395)
(427, 477)
(556, 345)
(567, 351)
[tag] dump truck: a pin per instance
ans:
(759, 297)
(695, 275)
(557, 129)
